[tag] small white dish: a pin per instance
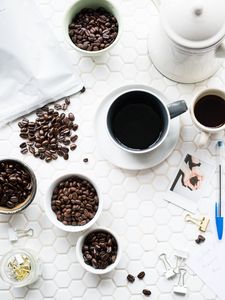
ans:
(91, 269)
(52, 216)
(124, 159)
(76, 7)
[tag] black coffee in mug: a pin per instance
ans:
(136, 120)
(210, 111)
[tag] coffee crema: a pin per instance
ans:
(210, 111)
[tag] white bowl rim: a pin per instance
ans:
(80, 256)
(51, 215)
(92, 53)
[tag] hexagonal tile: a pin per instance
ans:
(131, 184)
(62, 279)
(106, 287)
(148, 242)
(77, 287)
(61, 245)
(116, 176)
(134, 251)
(48, 289)
(91, 280)
(76, 271)
(47, 237)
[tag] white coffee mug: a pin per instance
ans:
(206, 131)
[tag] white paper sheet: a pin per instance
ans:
(34, 69)
(208, 260)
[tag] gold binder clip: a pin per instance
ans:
(202, 221)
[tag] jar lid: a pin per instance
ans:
(194, 23)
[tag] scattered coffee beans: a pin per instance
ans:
(49, 136)
(15, 184)
(74, 201)
(99, 249)
(130, 278)
(146, 292)
(200, 239)
(93, 29)
(141, 275)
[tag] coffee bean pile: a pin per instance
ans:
(93, 30)
(99, 249)
(140, 276)
(200, 239)
(15, 184)
(74, 201)
(51, 134)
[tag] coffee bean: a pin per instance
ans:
(48, 132)
(146, 292)
(94, 246)
(85, 160)
(73, 147)
(130, 278)
(70, 201)
(141, 275)
(24, 151)
(15, 183)
(93, 29)
(200, 239)
(23, 145)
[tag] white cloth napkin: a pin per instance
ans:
(34, 69)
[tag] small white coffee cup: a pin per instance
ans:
(206, 131)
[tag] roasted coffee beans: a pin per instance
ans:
(146, 292)
(49, 136)
(141, 275)
(15, 184)
(74, 201)
(93, 29)
(130, 278)
(200, 239)
(99, 249)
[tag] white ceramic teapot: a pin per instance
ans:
(186, 42)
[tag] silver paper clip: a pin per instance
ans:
(15, 234)
(169, 273)
(181, 256)
(180, 288)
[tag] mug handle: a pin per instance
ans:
(203, 139)
(177, 108)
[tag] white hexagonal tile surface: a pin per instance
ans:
(134, 204)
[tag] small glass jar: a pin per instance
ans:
(20, 267)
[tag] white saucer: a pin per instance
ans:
(120, 157)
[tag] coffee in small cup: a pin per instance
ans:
(210, 111)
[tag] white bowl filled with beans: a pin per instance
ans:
(92, 26)
(73, 202)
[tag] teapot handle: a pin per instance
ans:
(220, 51)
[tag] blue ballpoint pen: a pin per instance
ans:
(218, 210)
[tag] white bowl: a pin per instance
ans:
(77, 7)
(52, 216)
(91, 269)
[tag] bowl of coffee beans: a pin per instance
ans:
(17, 186)
(92, 26)
(98, 250)
(72, 203)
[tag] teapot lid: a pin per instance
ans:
(194, 23)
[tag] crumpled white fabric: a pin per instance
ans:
(34, 69)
